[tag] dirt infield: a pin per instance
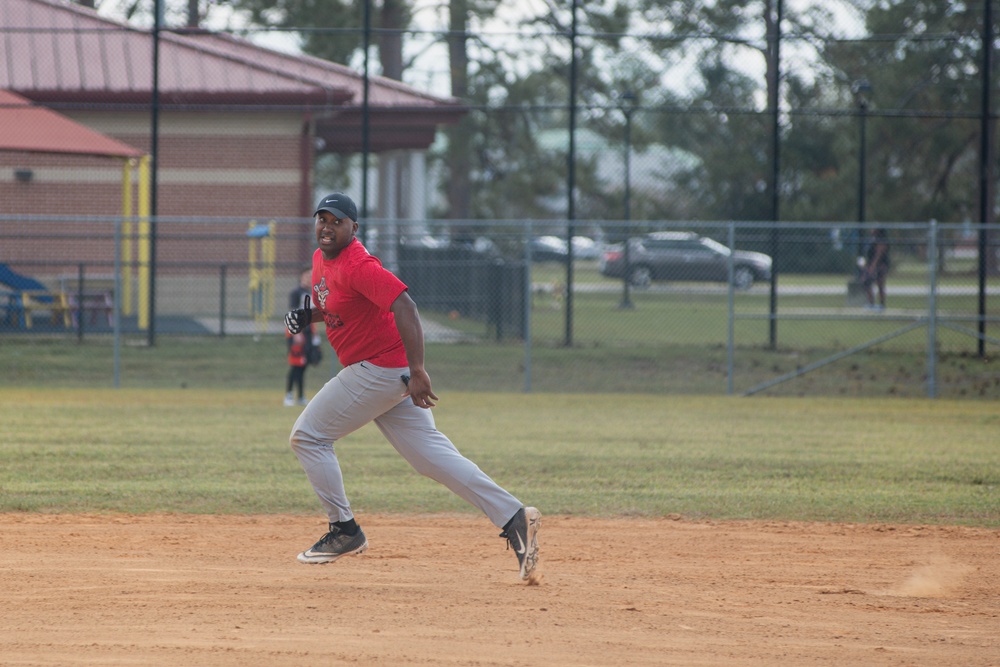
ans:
(441, 590)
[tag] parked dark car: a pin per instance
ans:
(683, 256)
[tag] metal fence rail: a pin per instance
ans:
(679, 326)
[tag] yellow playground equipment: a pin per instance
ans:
(261, 273)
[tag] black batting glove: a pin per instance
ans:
(298, 319)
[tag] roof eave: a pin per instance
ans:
(248, 99)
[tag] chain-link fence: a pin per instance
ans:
(673, 310)
(140, 207)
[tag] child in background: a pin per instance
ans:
(298, 359)
(298, 346)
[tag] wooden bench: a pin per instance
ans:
(95, 303)
(96, 282)
(97, 297)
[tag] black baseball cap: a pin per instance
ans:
(339, 204)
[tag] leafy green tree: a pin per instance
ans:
(922, 61)
(332, 29)
(721, 110)
(523, 131)
(495, 164)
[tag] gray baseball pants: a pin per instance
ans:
(362, 393)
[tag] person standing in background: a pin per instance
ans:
(876, 267)
(299, 345)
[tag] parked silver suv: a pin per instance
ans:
(683, 256)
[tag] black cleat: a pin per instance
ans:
(333, 545)
(522, 536)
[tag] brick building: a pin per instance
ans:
(240, 126)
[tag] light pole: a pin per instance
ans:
(862, 90)
(626, 102)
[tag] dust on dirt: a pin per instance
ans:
(442, 590)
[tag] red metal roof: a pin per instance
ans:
(51, 51)
(68, 56)
(382, 91)
(35, 129)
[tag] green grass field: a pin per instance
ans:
(225, 451)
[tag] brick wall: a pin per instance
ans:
(210, 164)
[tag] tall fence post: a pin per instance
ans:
(731, 313)
(117, 303)
(222, 301)
(79, 302)
(932, 259)
(528, 292)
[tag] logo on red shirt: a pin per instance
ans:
(332, 320)
(321, 292)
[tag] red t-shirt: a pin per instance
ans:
(354, 291)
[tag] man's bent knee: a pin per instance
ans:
(300, 441)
